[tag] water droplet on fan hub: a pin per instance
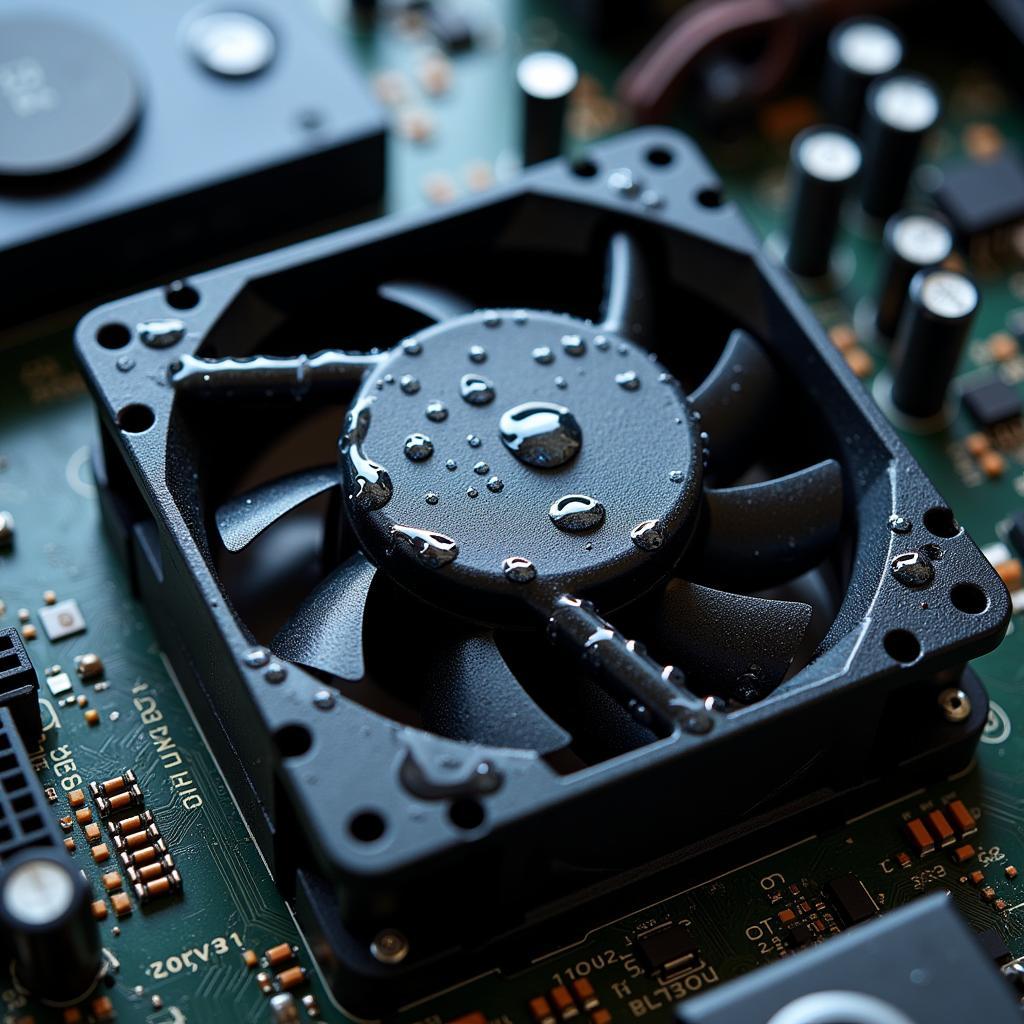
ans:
(576, 513)
(541, 434)
(429, 548)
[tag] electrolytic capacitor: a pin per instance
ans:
(898, 112)
(936, 320)
(546, 79)
(45, 911)
(823, 160)
(910, 242)
(859, 51)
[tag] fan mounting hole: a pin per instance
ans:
(136, 418)
(466, 813)
(660, 156)
(969, 598)
(293, 740)
(181, 295)
(711, 197)
(367, 826)
(901, 645)
(113, 335)
(940, 522)
(584, 167)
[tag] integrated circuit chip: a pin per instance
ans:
(992, 402)
(979, 196)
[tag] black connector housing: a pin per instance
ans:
(19, 686)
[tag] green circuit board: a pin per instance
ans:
(183, 959)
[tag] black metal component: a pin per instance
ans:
(733, 645)
(733, 402)
(19, 686)
(900, 110)
(428, 300)
(822, 162)
(859, 51)
(290, 377)
(911, 242)
(546, 79)
(762, 534)
(471, 694)
(326, 631)
(242, 519)
(625, 308)
(940, 309)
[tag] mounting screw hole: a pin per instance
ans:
(113, 336)
(181, 295)
(969, 598)
(710, 197)
(941, 522)
(367, 826)
(136, 418)
(584, 167)
(293, 740)
(466, 813)
(660, 156)
(901, 645)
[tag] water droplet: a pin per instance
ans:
(601, 342)
(373, 482)
(477, 354)
(476, 390)
(623, 181)
(628, 380)
(665, 378)
(573, 345)
(913, 568)
(577, 512)
(588, 546)
(275, 672)
(561, 383)
(323, 699)
(677, 476)
(622, 349)
(473, 441)
(520, 317)
(495, 484)
(481, 468)
(256, 658)
(899, 524)
(648, 535)
(472, 492)
(541, 434)
(418, 447)
(437, 412)
(161, 333)
(491, 319)
(519, 569)
(126, 363)
(542, 354)
(412, 347)
(389, 378)
(409, 384)
(651, 199)
(431, 498)
(451, 465)
(431, 549)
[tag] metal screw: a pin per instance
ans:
(955, 704)
(390, 946)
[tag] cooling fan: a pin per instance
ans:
(497, 584)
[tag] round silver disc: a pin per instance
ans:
(232, 43)
(869, 48)
(830, 156)
(907, 104)
(921, 239)
(547, 74)
(948, 294)
(38, 892)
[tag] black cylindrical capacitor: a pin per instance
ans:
(859, 51)
(936, 320)
(823, 160)
(911, 242)
(45, 911)
(546, 78)
(898, 112)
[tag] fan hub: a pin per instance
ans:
(549, 454)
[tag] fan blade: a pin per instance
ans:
(762, 534)
(729, 644)
(428, 300)
(625, 307)
(471, 694)
(241, 520)
(326, 632)
(734, 401)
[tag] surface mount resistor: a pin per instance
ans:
(144, 855)
(135, 840)
(152, 870)
(962, 818)
(124, 826)
(117, 784)
(290, 978)
(919, 835)
(165, 885)
(123, 801)
(279, 955)
(941, 828)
